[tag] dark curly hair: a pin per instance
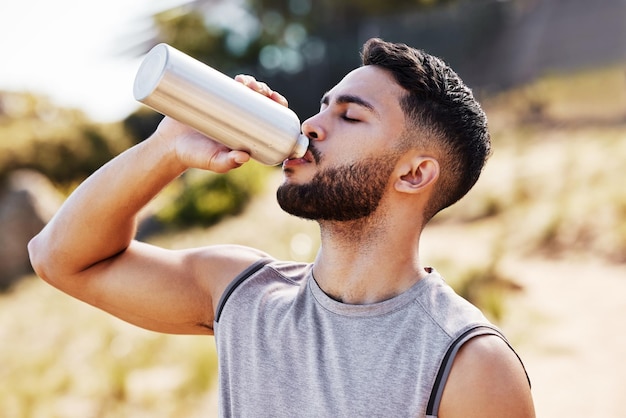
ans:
(442, 115)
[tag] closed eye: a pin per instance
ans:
(348, 119)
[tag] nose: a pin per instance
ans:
(313, 129)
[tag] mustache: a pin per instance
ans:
(317, 156)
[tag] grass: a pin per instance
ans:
(62, 358)
(553, 188)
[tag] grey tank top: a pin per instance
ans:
(286, 349)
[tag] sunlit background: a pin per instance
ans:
(70, 50)
(539, 244)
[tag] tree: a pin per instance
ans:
(268, 35)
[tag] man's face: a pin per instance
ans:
(351, 156)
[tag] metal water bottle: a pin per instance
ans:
(179, 86)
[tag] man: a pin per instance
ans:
(365, 330)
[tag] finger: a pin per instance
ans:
(243, 78)
(223, 162)
(251, 82)
(239, 157)
(279, 98)
(261, 87)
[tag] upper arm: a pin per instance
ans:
(487, 380)
(171, 291)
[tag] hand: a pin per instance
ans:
(195, 150)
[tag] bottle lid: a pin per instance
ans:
(150, 72)
(302, 145)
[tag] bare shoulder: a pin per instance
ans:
(487, 380)
(223, 262)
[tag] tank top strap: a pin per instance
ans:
(238, 280)
(432, 409)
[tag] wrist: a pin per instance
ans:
(162, 147)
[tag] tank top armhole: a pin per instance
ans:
(253, 268)
(432, 409)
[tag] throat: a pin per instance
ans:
(362, 264)
(358, 235)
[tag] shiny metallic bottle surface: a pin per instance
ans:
(179, 86)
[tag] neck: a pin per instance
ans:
(367, 261)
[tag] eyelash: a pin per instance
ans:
(347, 119)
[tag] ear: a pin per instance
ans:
(416, 173)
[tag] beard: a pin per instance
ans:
(344, 193)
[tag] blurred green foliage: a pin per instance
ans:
(61, 143)
(203, 199)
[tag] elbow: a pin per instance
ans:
(39, 257)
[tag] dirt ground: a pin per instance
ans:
(568, 326)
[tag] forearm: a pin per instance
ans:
(99, 219)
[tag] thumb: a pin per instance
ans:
(239, 157)
(225, 161)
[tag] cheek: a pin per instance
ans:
(368, 141)
(351, 143)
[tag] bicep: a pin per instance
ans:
(487, 380)
(159, 289)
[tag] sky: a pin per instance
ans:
(69, 51)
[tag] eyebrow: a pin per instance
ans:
(349, 98)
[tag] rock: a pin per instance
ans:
(27, 202)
